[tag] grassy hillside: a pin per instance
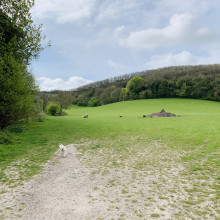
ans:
(191, 140)
(199, 121)
(198, 125)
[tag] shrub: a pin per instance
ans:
(5, 138)
(94, 102)
(16, 128)
(40, 117)
(53, 109)
(82, 103)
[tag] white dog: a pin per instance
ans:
(63, 150)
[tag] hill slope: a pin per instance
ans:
(200, 82)
(126, 167)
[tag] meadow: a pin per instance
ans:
(187, 144)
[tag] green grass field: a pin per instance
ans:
(194, 137)
(198, 125)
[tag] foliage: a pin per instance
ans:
(18, 34)
(20, 42)
(134, 87)
(16, 128)
(82, 103)
(5, 138)
(53, 109)
(94, 102)
(123, 94)
(64, 99)
(17, 91)
(40, 117)
(200, 82)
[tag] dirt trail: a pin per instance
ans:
(62, 192)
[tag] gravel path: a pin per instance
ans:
(62, 192)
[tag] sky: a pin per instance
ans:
(93, 40)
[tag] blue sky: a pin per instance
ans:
(97, 39)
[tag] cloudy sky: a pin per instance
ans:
(97, 39)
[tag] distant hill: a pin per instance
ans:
(200, 82)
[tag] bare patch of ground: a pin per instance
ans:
(120, 179)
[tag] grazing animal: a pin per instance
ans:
(120, 116)
(63, 150)
(86, 116)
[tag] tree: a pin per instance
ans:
(20, 42)
(183, 81)
(182, 91)
(134, 87)
(123, 95)
(17, 91)
(94, 102)
(45, 100)
(166, 89)
(64, 99)
(19, 35)
(115, 95)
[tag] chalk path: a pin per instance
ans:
(62, 192)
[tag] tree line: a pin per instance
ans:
(199, 82)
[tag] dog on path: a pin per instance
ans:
(63, 150)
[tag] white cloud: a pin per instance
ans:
(113, 9)
(117, 66)
(182, 30)
(192, 6)
(110, 34)
(47, 84)
(63, 11)
(119, 30)
(182, 58)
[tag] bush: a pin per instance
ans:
(40, 117)
(94, 102)
(82, 103)
(53, 109)
(5, 138)
(16, 128)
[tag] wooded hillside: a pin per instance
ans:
(199, 82)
